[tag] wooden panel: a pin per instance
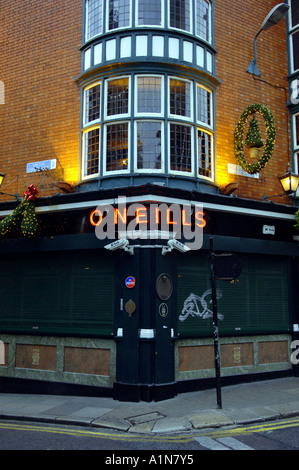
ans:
(240, 354)
(273, 351)
(196, 357)
(31, 356)
(87, 361)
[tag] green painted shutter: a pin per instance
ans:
(255, 303)
(57, 293)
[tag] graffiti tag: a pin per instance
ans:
(197, 306)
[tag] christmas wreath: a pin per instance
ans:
(23, 217)
(253, 138)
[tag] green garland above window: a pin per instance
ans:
(255, 167)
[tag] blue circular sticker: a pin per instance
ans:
(130, 282)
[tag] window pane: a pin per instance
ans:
(149, 13)
(118, 96)
(92, 152)
(149, 95)
(180, 14)
(180, 98)
(203, 105)
(119, 13)
(295, 12)
(296, 50)
(92, 103)
(202, 19)
(149, 145)
(204, 150)
(180, 148)
(117, 147)
(94, 11)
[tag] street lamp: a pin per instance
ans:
(275, 16)
(289, 182)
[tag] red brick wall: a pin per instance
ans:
(236, 24)
(39, 57)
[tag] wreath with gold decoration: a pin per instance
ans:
(255, 167)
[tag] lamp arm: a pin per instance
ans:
(255, 52)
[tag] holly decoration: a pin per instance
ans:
(255, 167)
(254, 137)
(23, 217)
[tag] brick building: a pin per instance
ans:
(121, 104)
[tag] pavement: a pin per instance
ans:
(241, 404)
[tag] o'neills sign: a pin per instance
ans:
(150, 221)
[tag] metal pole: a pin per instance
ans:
(215, 325)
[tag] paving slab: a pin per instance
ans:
(209, 419)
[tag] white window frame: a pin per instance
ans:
(148, 170)
(209, 40)
(116, 172)
(136, 113)
(89, 123)
(108, 30)
(177, 172)
(84, 132)
(149, 25)
(86, 21)
(292, 49)
(179, 116)
(179, 29)
(202, 123)
(116, 116)
(295, 137)
(206, 131)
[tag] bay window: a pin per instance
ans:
(148, 124)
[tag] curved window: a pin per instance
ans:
(102, 17)
(142, 128)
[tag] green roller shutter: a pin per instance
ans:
(57, 293)
(255, 303)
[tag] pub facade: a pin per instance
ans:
(133, 125)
